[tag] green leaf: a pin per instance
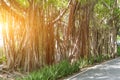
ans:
(23, 3)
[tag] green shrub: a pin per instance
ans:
(64, 68)
(118, 50)
(2, 59)
(53, 72)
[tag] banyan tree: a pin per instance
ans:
(39, 32)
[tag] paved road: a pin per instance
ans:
(109, 70)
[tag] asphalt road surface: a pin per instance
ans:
(109, 70)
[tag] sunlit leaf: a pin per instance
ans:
(23, 3)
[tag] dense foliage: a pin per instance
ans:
(63, 69)
(37, 33)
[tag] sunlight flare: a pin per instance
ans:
(1, 28)
(1, 39)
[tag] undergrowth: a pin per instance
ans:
(118, 50)
(53, 72)
(62, 69)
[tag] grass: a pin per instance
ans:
(53, 72)
(118, 47)
(118, 50)
(2, 59)
(62, 69)
(2, 56)
(118, 37)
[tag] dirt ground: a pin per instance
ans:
(9, 75)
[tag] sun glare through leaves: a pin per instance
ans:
(1, 39)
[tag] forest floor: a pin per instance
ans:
(109, 70)
(8, 75)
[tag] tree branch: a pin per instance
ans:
(62, 13)
(8, 5)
